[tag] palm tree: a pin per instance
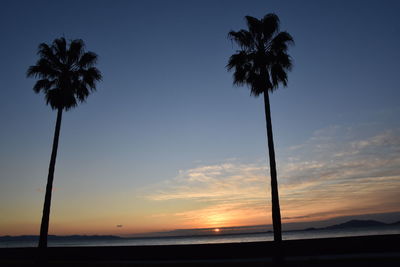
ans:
(66, 75)
(262, 64)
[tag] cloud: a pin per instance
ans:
(344, 159)
(213, 182)
(338, 171)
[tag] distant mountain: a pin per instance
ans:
(355, 224)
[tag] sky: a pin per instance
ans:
(167, 142)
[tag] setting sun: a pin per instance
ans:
(217, 230)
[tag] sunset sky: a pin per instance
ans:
(167, 142)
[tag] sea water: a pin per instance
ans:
(211, 239)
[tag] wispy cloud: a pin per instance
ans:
(338, 171)
(213, 182)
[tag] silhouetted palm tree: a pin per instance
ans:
(262, 64)
(66, 76)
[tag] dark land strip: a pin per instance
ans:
(381, 250)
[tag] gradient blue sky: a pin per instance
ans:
(167, 109)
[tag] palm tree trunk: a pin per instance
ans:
(44, 227)
(276, 213)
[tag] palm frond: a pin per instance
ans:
(82, 92)
(278, 75)
(42, 69)
(254, 25)
(90, 77)
(284, 60)
(270, 25)
(281, 42)
(45, 51)
(241, 74)
(42, 85)
(60, 49)
(88, 59)
(75, 51)
(243, 38)
(238, 59)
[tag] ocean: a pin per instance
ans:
(209, 239)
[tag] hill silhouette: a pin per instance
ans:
(355, 224)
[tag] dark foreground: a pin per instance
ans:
(345, 251)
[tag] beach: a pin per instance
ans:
(380, 250)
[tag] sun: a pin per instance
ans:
(217, 230)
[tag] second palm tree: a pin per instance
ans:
(262, 63)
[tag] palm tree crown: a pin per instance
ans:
(66, 74)
(262, 61)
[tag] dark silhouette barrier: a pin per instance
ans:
(252, 250)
